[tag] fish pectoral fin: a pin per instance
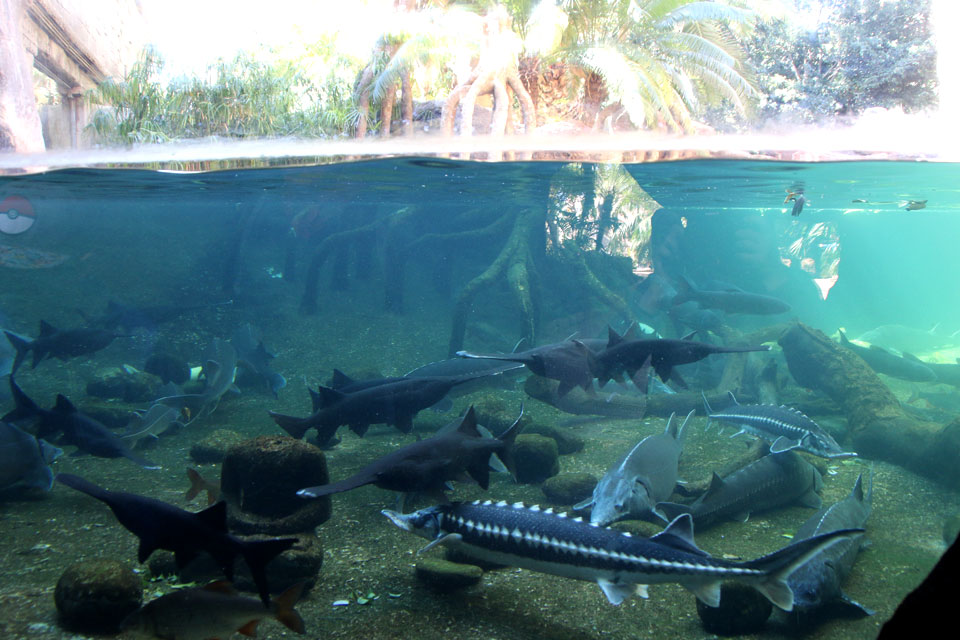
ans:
(707, 592)
(584, 504)
(450, 537)
(249, 629)
(617, 593)
(852, 607)
(811, 499)
(782, 444)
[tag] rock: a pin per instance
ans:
(214, 447)
(742, 610)
(443, 574)
(569, 488)
(458, 557)
(300, 563)
(123, 383)
(536, 458)
(567, 441)
(168, 367)
(951, 528)
(96, 595)
(260, 479)
(110, 415)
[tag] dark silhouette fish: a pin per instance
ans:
(731, 300)
(59, 343)
(426, 466)
(774, 480)
(160, 525)
(80, 430)
(636, 357)
(816, 585)
(394, 403)
(566, 362)
(906, 367)
(253, 355)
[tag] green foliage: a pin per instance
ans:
(247, 97)
(864, 53)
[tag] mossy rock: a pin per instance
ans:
(569, 488)
(443, 574)
(567, 441)
(120, 383)
(536, 458)
(95, 596)
(214, 447)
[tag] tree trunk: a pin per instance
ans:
(406, 108)
(20, 128)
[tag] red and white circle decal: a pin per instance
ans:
(16, 215)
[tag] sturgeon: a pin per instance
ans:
(785, 428)
(621, 564)
(646, 475)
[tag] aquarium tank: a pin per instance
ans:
(520, 319)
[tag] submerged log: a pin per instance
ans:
(876, 425)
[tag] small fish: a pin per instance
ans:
(913, 205)
(213, 611)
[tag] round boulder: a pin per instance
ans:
(536, 458)
(569, 488)
(260, 479)
(213, 449)
(124, 383)
(742, 610)
(95, 596)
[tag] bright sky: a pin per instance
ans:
(191, 34)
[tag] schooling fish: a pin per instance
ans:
(784, 427)
(621, 564)
(213, 611)
(80, 430)
(426, 466)
(646, 475)
(59, 343)
(160, 525)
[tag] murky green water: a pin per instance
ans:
(363, 266)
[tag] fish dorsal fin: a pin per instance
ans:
(329, 396)
(733, 399)
(468, 424)
(64, 405)
(214, 517)
(315, 400)
(221, 586)
(46, 329)
(679, 535)
(340, 379)
(912, 358)
(517, 348)
(874, 347)
(249, 629)
(613, 338)
(716, 483)
(630, 333)
(691, 335)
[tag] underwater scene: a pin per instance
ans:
(417, 397)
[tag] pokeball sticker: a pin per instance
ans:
(16, 215)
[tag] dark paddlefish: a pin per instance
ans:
(394, 403)
(57, 343)
(621, 564)
(636, 357)
(80, 430)
(783, 427)
(160, 525)
(426, 466)
(566, 362)
(731, 300)
(774, 480)
(816, 585)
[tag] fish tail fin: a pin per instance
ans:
(257, 554)
(507, 438)
(296, 427)
(25, 407)
(21, 346)
(707, 410)
(197, 485)
(284, 611)
(779, 565)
